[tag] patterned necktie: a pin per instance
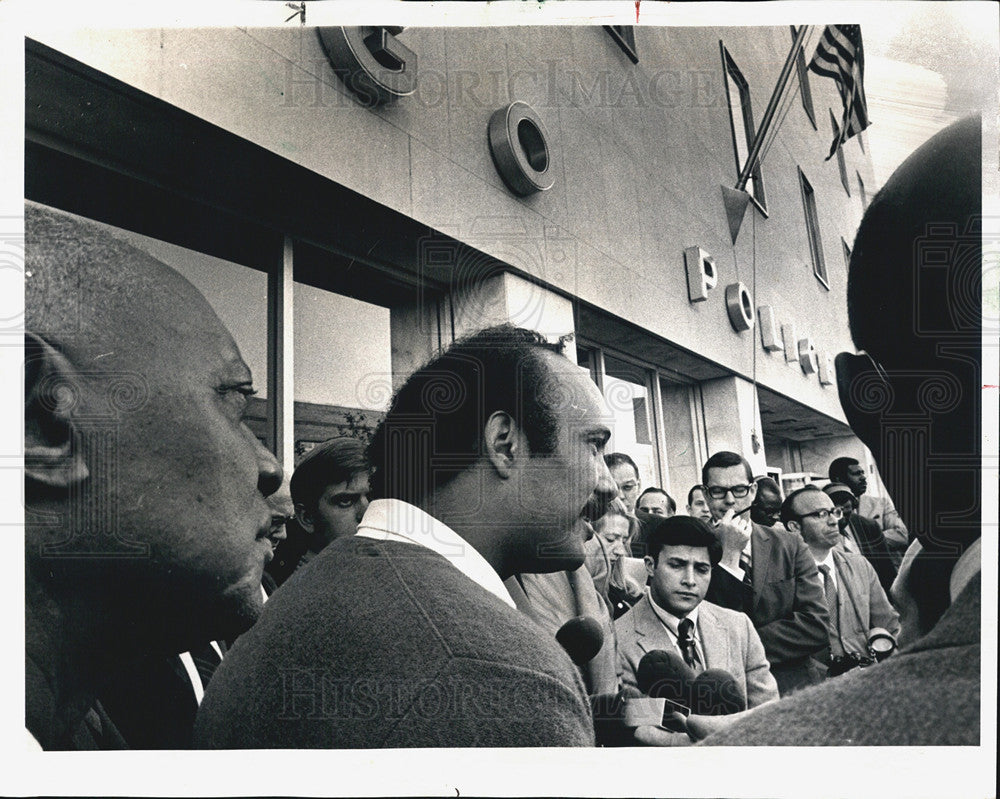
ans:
(831, 604)
(685, 640)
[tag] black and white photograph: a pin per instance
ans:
(480, 403)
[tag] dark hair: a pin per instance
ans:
(653, 490)
(788, 506)
(691, 491)
(768, 484)
(681, 531)
(433, 429)
(723, 460)
(613, 459)
(334, 461)
(838, 469)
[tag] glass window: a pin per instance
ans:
(812, 229)
(343, 365)
(627, 392)
(743, 128)
(679, 440)
(805, 90)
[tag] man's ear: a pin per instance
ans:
(863, 393)
(52, 455)
(501, 442)
(304, 518)
(650, 566)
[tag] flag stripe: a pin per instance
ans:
(840, 56)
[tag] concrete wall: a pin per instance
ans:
(639, 154)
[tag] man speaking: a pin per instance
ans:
(488, 463)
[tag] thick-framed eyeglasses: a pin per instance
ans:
(718, 492)
(824, 513)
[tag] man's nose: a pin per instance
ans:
(687, 576)
(607, 489)
(269, 473)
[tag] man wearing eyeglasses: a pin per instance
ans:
(767, 573)
(861, 617)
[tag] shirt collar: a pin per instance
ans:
(670, 621)
(395, 520)
(828, 562)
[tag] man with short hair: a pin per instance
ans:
(672, 617)
(879, 509)
(404, 635)
(856, 602)
(862, 535)
(697, 504)
(147, 525)
(766, 507)
(655, 502)
(767, 573)
(329, 489)
(919, 238)
(626, 476)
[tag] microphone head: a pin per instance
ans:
(715, 692)
(664, 675)
(582, 638)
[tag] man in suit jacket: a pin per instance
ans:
(929, 692)
(682, 551)
(404, 635)
(863, 536)
(856, 601)
(768, 574)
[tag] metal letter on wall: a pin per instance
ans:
(827, 373)
(739, 305)
(769, 338)
(701, 273)
(807, 356)
(790, 342)
(371, 61)
(520, 149)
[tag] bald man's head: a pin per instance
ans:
(145, 490)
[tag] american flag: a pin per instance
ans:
(840, 56)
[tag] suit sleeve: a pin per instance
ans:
(806, 632)
(882, 613)
(725, 590)
(761, 686)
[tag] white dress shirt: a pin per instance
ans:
(395, 520)
(670, 622)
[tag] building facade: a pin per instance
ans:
(344, 239)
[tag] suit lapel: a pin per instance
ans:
(649, 632)
(714, 641)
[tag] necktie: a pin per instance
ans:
(747, 583)
(206, 660)
(831, 603)
(685, 640)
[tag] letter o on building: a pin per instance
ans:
(739, 305)
(520, 149)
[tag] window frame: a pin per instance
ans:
(813, 234)
(732, 72)
(805, 89)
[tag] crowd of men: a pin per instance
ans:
(483, 573)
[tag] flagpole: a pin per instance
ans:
(772, 107)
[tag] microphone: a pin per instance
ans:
(715, 692)
(664, 675)
(582, 638)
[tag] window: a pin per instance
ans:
(812, 229)
(861, 191)
(628, 392)
(741, 121)
(805, 90)
(624, 37)
(841, 165)
(847, 253)
(861, 140)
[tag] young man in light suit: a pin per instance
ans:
(682, 552)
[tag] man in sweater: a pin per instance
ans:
(488, 463)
